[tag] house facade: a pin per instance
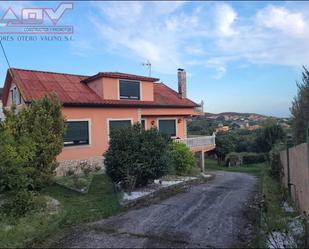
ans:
(94, 105)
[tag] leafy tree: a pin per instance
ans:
(300, 109)
(34, 137)
(268, 136)
(225, 143)
(136, 156)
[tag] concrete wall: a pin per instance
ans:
(299, 175)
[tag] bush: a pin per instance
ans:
(234, 158)
(275, 162)
(251, 158)
(135, 153)
(182, 160)
(22, 203)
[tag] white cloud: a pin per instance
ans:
(211, 35)
(282, 19)
(225, 17)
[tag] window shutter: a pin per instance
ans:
(77, 131)
(129, 89)
(168, 127)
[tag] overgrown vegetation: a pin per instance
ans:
(30, 140)
(135, 156)
(300, 109)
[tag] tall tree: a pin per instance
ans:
(300, 109)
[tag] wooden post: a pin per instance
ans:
(202, 161)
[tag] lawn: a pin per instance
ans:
(101, 201)
(255, 169)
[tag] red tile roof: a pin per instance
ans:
(73, 92)
(118, 75)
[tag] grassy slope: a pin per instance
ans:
(100, 202)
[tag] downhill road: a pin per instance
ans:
(214, 214)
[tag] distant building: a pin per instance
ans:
(222, 129)
(1, 109)
(253, 127)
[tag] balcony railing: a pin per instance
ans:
(199, 142)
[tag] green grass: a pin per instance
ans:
(101, 201)
(255, 169)
(19, 232)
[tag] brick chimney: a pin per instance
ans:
(182, 83)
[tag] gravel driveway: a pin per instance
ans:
(207, 215)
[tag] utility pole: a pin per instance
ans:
(148, 65)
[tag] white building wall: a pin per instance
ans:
(1, 112)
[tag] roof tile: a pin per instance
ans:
(72, 91)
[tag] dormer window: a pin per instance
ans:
(129, 89)
(15, 96)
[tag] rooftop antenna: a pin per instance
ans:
(147, 64)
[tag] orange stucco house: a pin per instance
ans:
(93, 105)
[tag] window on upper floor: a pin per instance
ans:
(15, 96)
(167, 127)
(129, 89)
(77, 133)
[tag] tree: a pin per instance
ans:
(268, 136)
(225, 143)
(35, 136)
(300, 109)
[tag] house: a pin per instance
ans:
(222, 128)
(1, 108)
(94, 105)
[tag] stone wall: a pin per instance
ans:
(76, 166)
(299, 175)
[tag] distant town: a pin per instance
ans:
(227, 121)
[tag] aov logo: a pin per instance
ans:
(36, 20)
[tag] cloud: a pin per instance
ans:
(210, 35)
(225, 16)
(282, 19)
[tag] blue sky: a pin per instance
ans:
(239, 56)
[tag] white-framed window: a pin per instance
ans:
(129, 89)
(113, 124)
(168, 126)
(77, 133)
(15, 96)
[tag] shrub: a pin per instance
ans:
(275, 162)
(251, 158)
(135, 152)
(35, 136)
(233, 159)
(182, 160)
(22, 203)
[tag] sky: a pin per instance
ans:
(239, 56)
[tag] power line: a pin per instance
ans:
(4, 53)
